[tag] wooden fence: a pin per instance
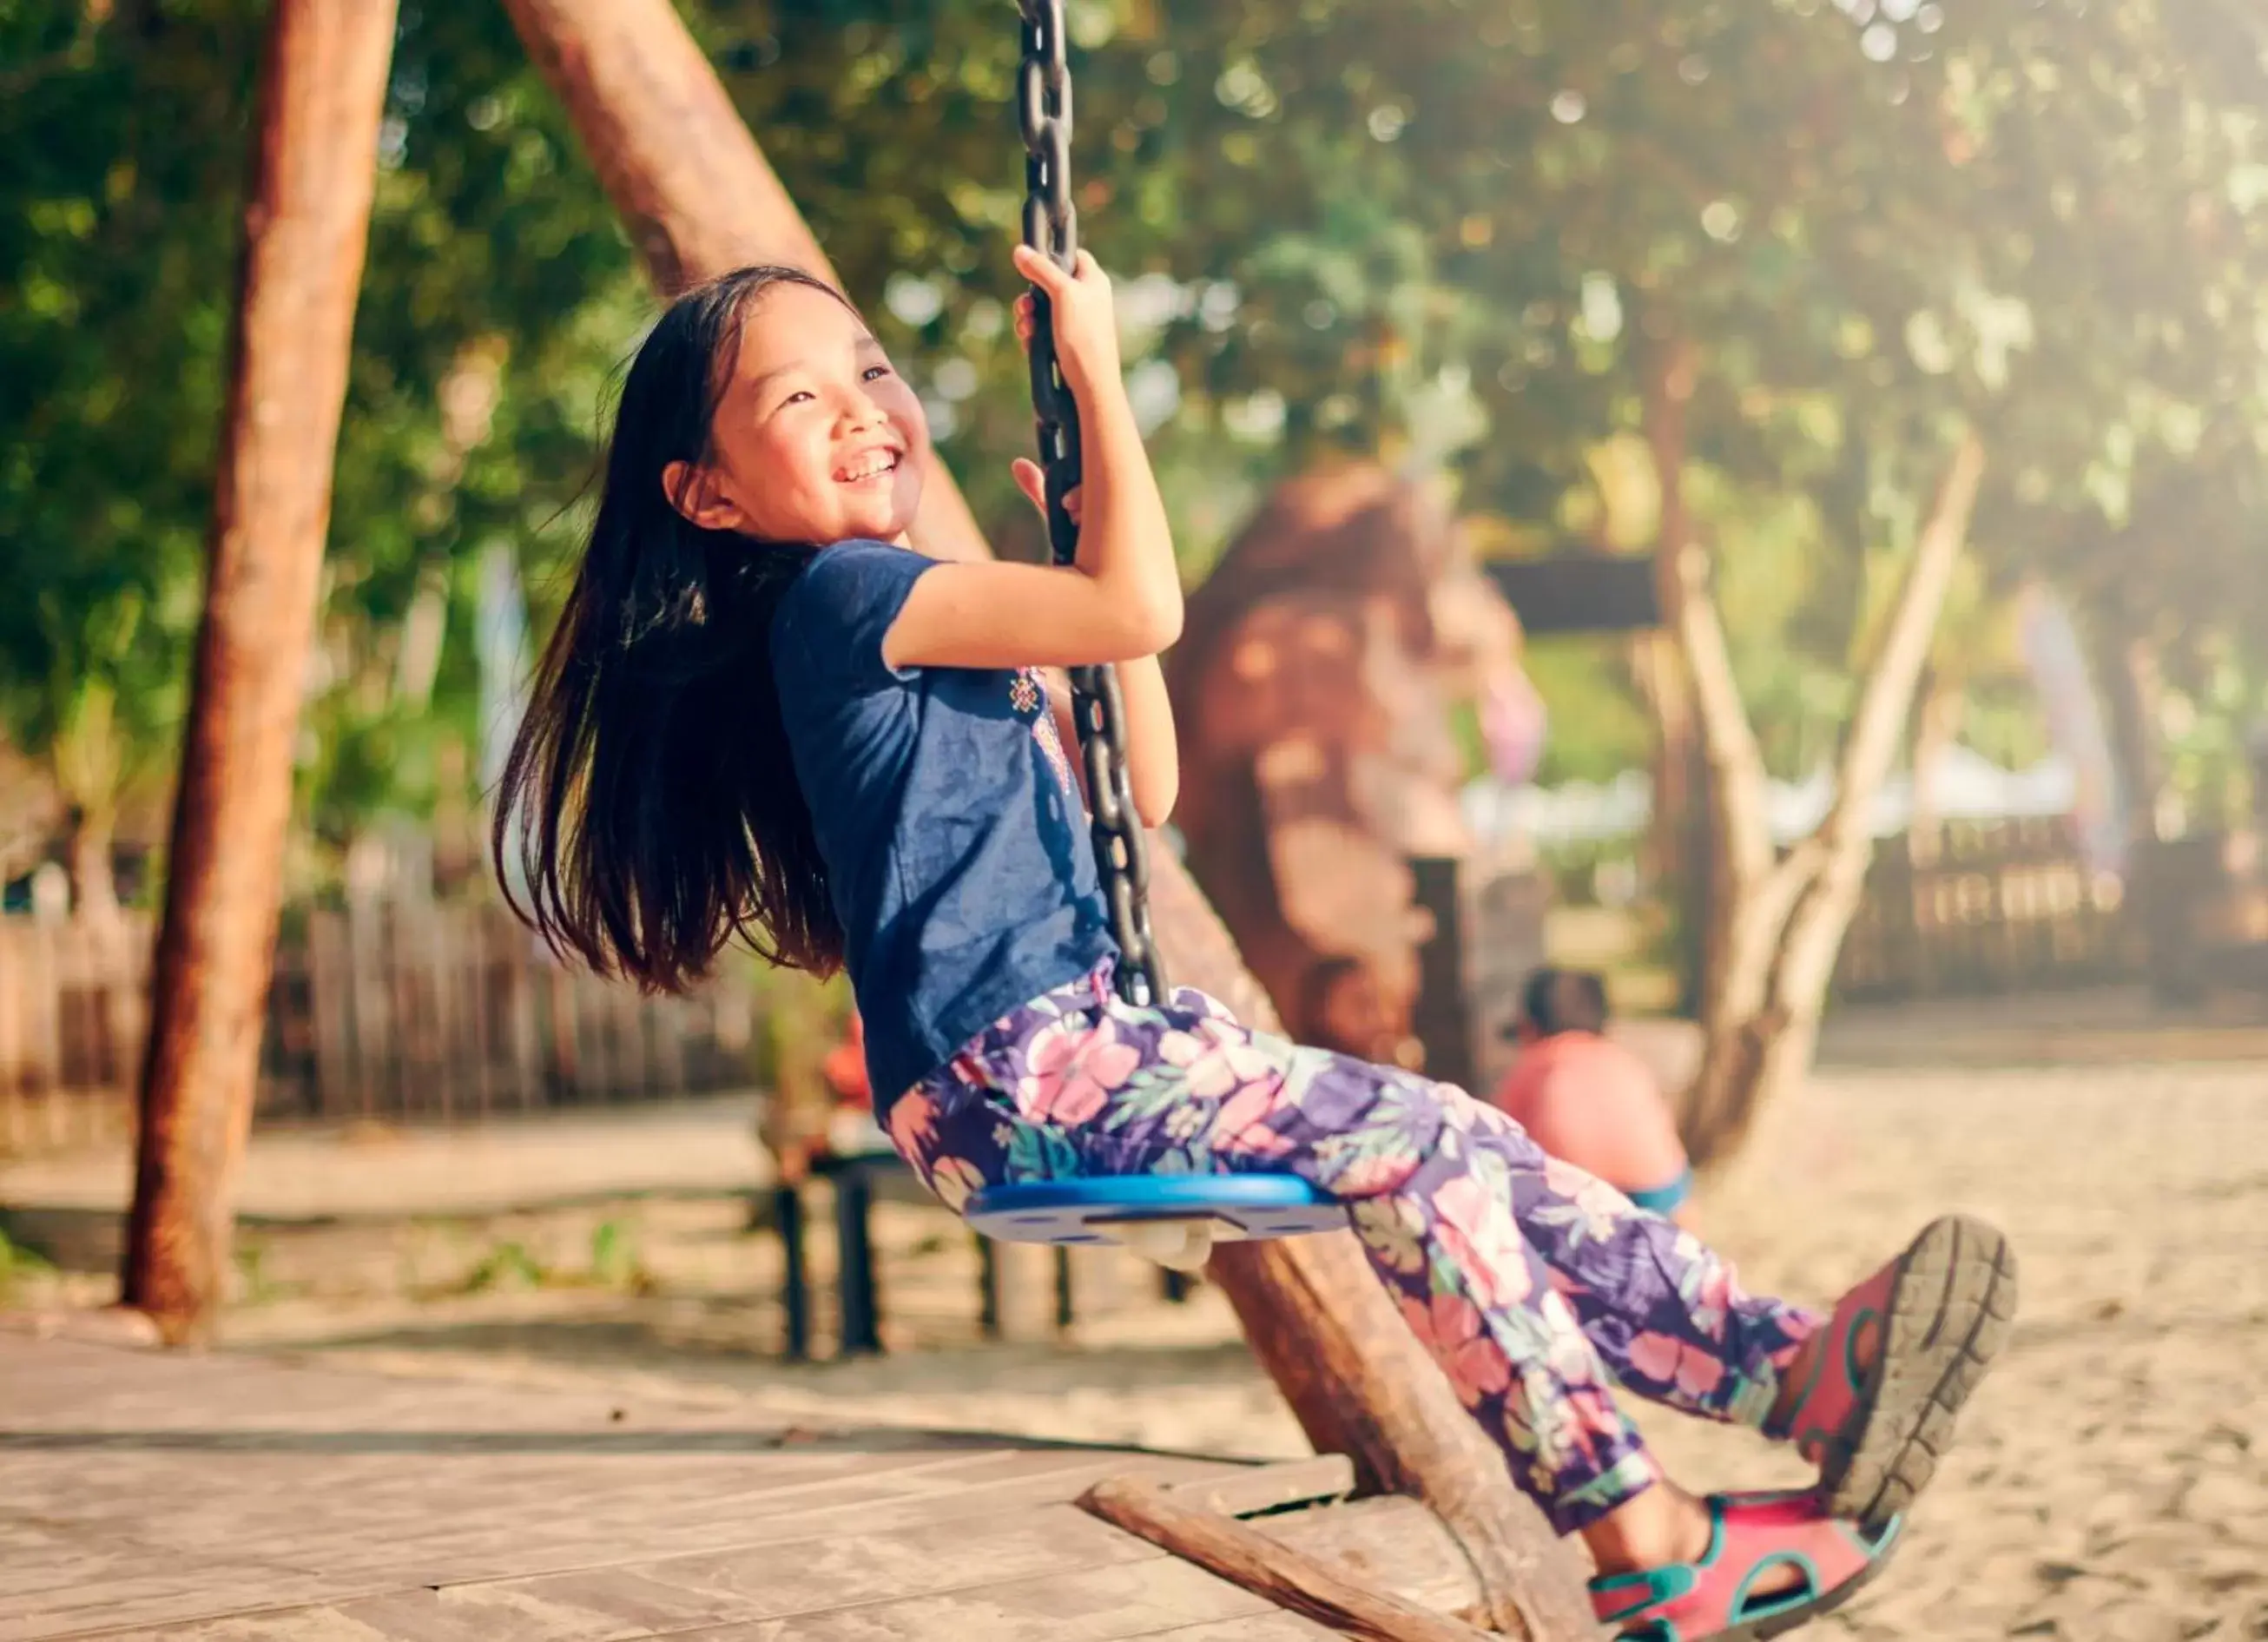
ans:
(419, 1012)
(452, 1011)
(1996, 908)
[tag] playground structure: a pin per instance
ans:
(1314, 679)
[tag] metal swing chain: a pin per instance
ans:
(1052, 227)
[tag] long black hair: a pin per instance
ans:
(649, 797)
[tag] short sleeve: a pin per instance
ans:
(835, 616)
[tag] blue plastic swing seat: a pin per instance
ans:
(1150, 1212)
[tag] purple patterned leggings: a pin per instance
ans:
(1530, 1281)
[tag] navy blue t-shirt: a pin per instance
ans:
(955, 843)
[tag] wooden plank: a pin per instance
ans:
(682, 1594)
(429, 1519)
(1277, 1627)
(960, 1616)
(92, 1585)
(1391, 1542)
(1144, 1599)
(430, 1532)
(1285, 1575)
(1269, 1487)
(240, 1484)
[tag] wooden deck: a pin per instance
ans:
(218, 1498)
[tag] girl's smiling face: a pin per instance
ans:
(815, 439)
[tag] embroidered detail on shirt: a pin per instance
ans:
(1043, 728)
(1024, 691)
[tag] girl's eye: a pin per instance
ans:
(796, 398)
(876, 372)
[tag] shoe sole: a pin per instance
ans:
(1951, 1307)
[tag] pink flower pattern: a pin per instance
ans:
(1534, 1286)
(1449, 1326)
(1073, 1069)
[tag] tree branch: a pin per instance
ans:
(1886, 698)
(1736, 763)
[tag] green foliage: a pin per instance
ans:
(19, 1266)
(509, 1265)
(1438, 230)
(615, 1262)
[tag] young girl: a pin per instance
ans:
(764, 716)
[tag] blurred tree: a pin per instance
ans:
(127, 134)
(495, 266)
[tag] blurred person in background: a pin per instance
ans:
(1586, 1099)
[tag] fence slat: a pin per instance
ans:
(1995, 906)
(382, 1012)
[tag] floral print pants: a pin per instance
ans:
(1536, 1286)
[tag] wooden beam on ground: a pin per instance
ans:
(700, 198)
(1284, 1574)
(322, 88)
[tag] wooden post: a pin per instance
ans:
(700, 199)
(322, 88)
(1444, 1022)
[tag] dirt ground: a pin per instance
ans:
(2111, 1481)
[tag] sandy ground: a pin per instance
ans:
(2111, 1481)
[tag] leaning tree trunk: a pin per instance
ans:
(322, 88)
(700, 199)
(1777, 922)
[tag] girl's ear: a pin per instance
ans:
(694, 492)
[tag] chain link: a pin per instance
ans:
(1122, 858)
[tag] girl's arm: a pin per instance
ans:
(1153, 751)
(1120, 602)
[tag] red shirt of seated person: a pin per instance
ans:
(1584, 1098)
(852, 1131)
(845, 1066)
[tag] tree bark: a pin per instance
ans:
(1943, 703)
(1783, 923)
(93, 880)
(701, 199)
(322, 88)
